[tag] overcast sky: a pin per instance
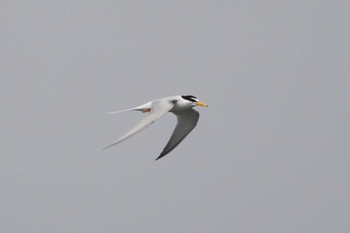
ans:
(270, 154)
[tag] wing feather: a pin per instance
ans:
(158, 110)
(186, 121)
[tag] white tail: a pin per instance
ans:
(125, 110)
(138, 108)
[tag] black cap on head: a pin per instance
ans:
(190, 98)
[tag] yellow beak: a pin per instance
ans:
(201, 104)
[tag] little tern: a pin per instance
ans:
(181, 106)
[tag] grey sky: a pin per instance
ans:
(270, 154)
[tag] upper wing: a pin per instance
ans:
(186, 121)
(158, 109)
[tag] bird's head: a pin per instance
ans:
(193, 101)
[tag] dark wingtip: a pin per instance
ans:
(159, 157)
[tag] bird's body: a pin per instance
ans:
(181, 106)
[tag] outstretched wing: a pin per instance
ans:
(186, 121)
(158, 109)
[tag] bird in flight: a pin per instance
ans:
(181, 106)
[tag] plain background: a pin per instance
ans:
(270, 154)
